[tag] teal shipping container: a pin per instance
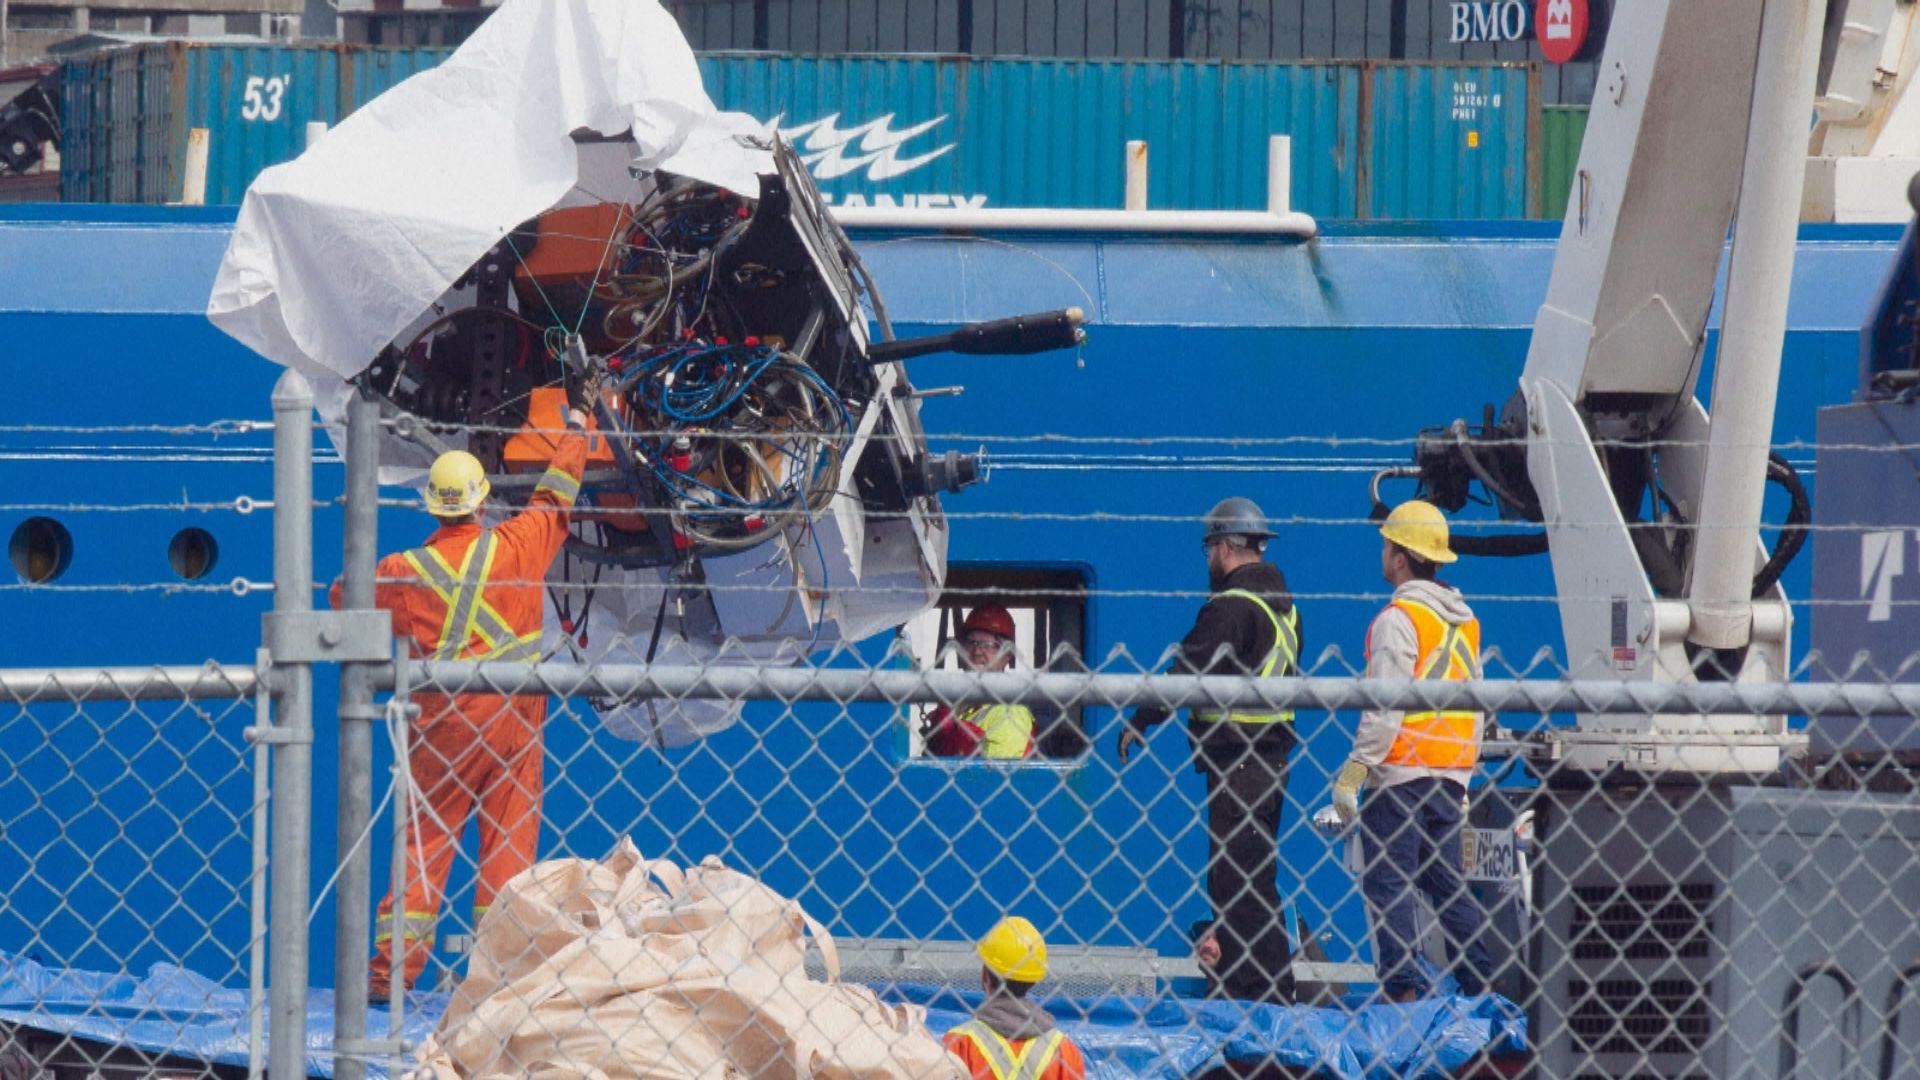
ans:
(1369, 139)
(127, 113)
(1451, 141)
(935, 131)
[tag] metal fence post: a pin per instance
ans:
(293, 745)
(352, 899)
(259, 735)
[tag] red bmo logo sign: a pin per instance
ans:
(1561, 27)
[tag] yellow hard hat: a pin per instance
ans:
(1421, 528)
(456, 485)
(1014, 951)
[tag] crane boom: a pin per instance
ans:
(1651, 508)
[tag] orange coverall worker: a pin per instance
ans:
(1030, 1049)
(473, 593)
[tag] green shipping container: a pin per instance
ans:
(1562, 127)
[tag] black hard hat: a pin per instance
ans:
(1237, 517)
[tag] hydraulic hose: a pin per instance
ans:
(1793, 534)
(1464, 442)
(1502, 546)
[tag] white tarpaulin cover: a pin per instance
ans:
(336, 252)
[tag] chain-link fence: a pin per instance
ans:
(1662, 922)
(735, 864)
(134, 842)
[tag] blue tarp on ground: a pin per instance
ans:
(172, 1011)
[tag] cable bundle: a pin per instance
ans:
(735, 434)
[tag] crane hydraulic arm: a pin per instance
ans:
(1651, 509)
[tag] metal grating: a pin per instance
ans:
(1642, 922)
(1635, 1016)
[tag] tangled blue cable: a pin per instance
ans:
(693, 383)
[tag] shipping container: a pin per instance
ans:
(368, 73)
(909, 130)
(1368, 140)
(127, 113)
(1562, 127)
(1450, 142)
(1444, 31)
(939, 131)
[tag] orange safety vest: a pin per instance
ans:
(1049, 1057)
(1440, 740)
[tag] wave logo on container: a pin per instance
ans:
(832, 151)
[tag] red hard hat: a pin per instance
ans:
(991, 619)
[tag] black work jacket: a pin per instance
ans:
(1232, 636)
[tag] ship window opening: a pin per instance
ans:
(40, 550)
(1049, 610)
(192, 553)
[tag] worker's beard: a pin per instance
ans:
(1216, 579)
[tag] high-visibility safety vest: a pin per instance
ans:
(1283, 655)
(1439, 740)
(1028, 1063)
(1006, 731)
(472, 629)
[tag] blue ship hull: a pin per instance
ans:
(1285, 372)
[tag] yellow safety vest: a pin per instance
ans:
(1006, 731)
(1028, 1064)
(1283, 655)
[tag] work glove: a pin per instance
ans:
(1346, 791)
(584, 391)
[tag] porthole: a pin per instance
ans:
(40, 550)
(192, 554)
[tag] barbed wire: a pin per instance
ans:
(1112, 517)
(229, 427)
(1399, 442)
(244, 504)
(238, 587)
(225, 428)
(962, 597)
(214, 427)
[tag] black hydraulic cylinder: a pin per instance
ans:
(1019, 335)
